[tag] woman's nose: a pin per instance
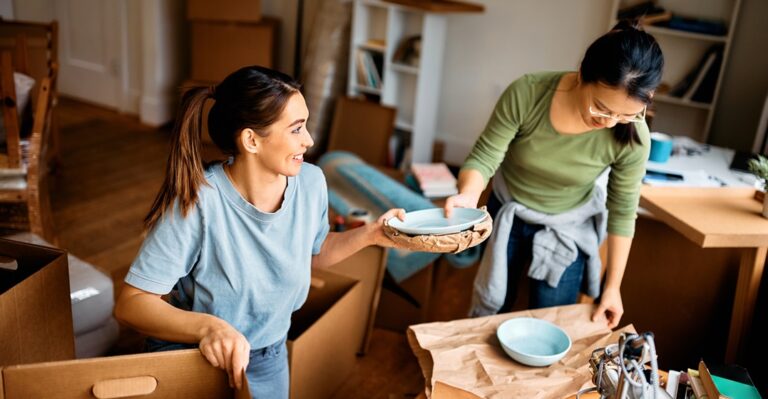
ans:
(309, 142)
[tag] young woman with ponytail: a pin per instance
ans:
(549, 138)
(233, 243)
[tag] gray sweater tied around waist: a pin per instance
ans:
(555, 247)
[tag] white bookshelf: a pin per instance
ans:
(682, 52)
(414, 90)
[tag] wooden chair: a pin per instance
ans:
(23, 171)
(34, 47)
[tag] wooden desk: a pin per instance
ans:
(720, 218)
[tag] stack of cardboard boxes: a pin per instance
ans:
(36, 326)
(227, 35)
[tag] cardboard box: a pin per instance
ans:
(367, 266)
(325, 336)
(35, 310)
(224, 10)
(220, 48)
(322, 345)
(174, 374)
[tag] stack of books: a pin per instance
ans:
(435, 180)
(698, 384)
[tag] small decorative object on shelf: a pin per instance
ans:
(408, 51)
(759, 167)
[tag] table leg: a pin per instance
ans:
(750, 275)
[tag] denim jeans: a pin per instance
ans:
(519, 252)
(267, 370)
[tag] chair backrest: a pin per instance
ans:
(12, 159)
(42, 105)
(41, 129)
(34, 46)
(363, 128)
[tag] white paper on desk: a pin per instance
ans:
(691, 178)
(466, 354)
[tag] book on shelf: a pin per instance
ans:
(377, 44)
(369, 68)
(696, 25)
(702, 72)
(699, 84)
(639, 10)
(655, 18)
(434, 179)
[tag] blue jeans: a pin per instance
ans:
(519, 252)
(267, 371)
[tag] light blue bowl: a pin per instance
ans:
(533, 342)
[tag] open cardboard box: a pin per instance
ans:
(322, 343)
(35, 310)
(174, 374)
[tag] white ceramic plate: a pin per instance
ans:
(433, 221)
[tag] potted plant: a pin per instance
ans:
(759, 166)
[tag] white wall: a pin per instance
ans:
(485, 52)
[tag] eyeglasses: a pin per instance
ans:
(639, 117)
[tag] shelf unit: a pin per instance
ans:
(683, 51)
(414, 90)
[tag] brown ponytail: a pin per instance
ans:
(251, 97)
(184, 171)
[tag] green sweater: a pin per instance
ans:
(552, 172)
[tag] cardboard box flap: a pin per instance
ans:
(325, 336)
(36, 322)
(30, 259)
(327, 289)
(177, 374)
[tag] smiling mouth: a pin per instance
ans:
(299, 157)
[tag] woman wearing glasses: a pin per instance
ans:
(549, 138)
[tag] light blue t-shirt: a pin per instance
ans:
(227, 258)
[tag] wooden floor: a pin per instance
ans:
(110, 170)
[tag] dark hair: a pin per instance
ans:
(628, 58)
(252, 97)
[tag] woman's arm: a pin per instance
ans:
(339, 246)
(611, 307)
(471, 185)
(220, 343)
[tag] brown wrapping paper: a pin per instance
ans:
(446, 243)
(463, 357)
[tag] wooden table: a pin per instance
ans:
(720, 218)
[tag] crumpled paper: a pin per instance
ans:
(466, 354)
(446, 243)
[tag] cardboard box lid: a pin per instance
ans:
(178, 374)
(36, 322)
